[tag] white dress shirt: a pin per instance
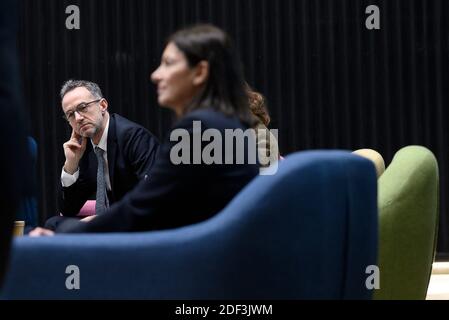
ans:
(68, 179)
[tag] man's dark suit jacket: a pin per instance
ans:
(131, 153)
(14, 160)
(176, 195)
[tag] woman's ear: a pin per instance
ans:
(201, 73)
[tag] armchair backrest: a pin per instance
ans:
(408, 221)
(307, 232)
(375, 157)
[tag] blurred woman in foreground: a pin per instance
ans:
(201, 80)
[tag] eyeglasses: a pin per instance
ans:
(81, 109)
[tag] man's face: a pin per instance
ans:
(90, 121)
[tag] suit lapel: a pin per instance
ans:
(112, 148)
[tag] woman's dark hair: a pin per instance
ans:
(257, 105)
(225, 87)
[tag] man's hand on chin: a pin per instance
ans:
(41, 232)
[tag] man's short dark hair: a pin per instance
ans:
(93, 88)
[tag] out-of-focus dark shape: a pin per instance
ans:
(28, 211)
(13, 148)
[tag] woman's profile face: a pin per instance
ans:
(174, 79)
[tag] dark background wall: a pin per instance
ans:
(330, 82)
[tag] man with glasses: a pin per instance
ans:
(106, 155)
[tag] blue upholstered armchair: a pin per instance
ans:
(308, 232)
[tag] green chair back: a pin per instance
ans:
(408, 224)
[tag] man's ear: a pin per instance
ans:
(103, 105)
(201, 73)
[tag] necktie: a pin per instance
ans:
(102, 202)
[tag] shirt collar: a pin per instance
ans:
(103, 144)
